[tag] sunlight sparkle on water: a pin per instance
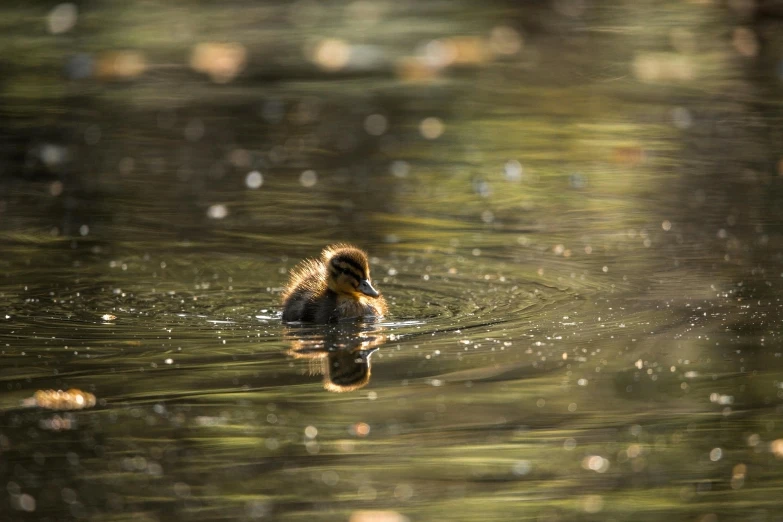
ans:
(331, 54)
(360, 429)
(513, 170)
(308, 178)
(593, 503)
(681, 117)
(437, 53)
(403, 492)
(596, 463)
(522, 467)
(222, 62)
(431, 128)
(62, 18)
(505, 40)
(217, 211)
(777, 448)
(400, 168)
(633, 451)
(368, 493)
(254, 179)
(745, 42)
(375, 124)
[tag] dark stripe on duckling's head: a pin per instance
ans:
(349, 261)
(339, 266)
(349, 255)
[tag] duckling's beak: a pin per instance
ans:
(366, 288)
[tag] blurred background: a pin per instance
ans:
(573, 207)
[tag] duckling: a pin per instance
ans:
(336, 286)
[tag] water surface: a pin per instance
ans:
(578, 234)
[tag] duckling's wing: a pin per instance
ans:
(308, 277)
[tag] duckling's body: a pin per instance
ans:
(336, 286)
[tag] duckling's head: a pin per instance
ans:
(348, 272)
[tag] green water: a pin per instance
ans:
(583, 263)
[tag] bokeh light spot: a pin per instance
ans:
(505, 40)
(308, 178)
(431, 128)
(375, 124)
(217, 211)
(62, 18)
(222, 62)
(745, 42)
(332, 54)
(401, 169)
(254, 179)
(716, 454)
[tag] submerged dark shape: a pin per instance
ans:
(336, 286)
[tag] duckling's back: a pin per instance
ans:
(305, 306)
(307, 297)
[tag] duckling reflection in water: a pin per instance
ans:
(336, 286)
(341, 355)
